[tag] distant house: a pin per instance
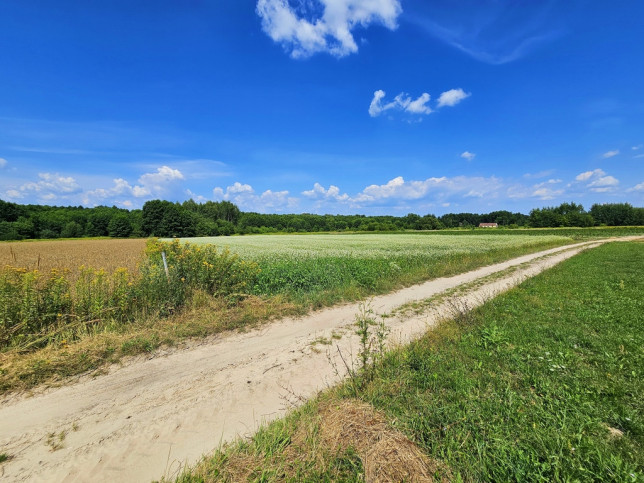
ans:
(488, 225)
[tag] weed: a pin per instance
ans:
(56, 441)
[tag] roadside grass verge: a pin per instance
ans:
(52, 329)
(543, 383)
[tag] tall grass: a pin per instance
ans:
(37, 308)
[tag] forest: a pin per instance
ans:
(220, 218)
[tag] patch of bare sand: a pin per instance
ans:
(151, 417)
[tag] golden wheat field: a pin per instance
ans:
(72, 254)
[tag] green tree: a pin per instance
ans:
(120, 226)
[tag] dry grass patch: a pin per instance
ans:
(386, 453)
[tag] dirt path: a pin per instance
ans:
(150, 417)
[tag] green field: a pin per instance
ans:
(543, 383)
(339, 265)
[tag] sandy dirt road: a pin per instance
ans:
(151, 416)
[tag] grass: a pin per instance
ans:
(543, 383)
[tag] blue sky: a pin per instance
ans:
(323, 106)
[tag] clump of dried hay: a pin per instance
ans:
(387, 454)
(334, 428)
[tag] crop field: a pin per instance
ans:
(299, 264)
(368, 246)
(70, 255)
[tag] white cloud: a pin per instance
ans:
(319, 191)
(49, 187)
(3, 163)
(603, 184)
(638, 156)
(589, 174)
(638, 187)
(402, 102)
(419, 106)
(545, 191)
(610, 154)
(375, 108)
(600, 182)
(398, 188)
(639, 146)
(314, 26)
(158, 184)
(244, 196)
(452, 97)
(467, 155)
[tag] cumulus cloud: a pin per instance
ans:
(400, 189)
(244, 196)
(49, 187)
(598, 181)
(159, 184)
(402, 102)
(3, 163)
(452, 97)
(319, 191)
(308, 27)
(467, 155)
(419, 106)
(603, 184)
(610, 154)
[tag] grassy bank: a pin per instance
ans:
(541, 384)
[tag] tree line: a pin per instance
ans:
(219, 218)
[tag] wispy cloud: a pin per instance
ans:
(309, 27)
(540, 174)
(490, 31)
(610, 154)
(638, 187)
(467, 155)
(3, 163)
